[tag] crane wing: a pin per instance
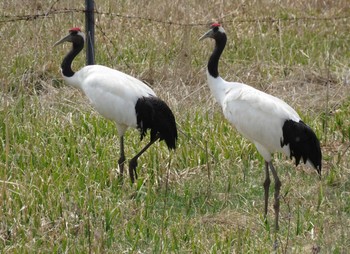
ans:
(113, 93)
(256, 115)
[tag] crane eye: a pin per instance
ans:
(215, 28)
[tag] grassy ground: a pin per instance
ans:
(58, 183)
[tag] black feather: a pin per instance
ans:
(302, 142)
(154, 114)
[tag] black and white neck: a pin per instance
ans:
(77, 38)
(217, 85)
(213, 63)
(217, 33)
(66, 65)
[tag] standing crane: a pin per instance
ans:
(268, 122)
(121, 98)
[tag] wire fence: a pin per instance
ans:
(224, 19)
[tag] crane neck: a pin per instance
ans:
(66, 65)
(213, 63)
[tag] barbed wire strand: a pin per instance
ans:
(227, 18)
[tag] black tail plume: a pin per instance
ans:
(302, 142)
(154, 114)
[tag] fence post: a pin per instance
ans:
(90, 32)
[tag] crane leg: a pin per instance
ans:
(133, 161)
(277, 195)
(266, 187)
(122, 156)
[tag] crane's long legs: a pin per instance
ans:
(122, 156)
(266, 187)
(133, 161)
(278, 184)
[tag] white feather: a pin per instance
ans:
(256, 115)
(112, 93)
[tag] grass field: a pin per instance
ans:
(59, 191)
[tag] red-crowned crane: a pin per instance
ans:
(121, 98)
(268, 122)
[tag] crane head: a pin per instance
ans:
(215, 29)
(75, 35)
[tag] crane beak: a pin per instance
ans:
(208, 34)
(64, 39)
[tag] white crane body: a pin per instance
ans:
(112, 93)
